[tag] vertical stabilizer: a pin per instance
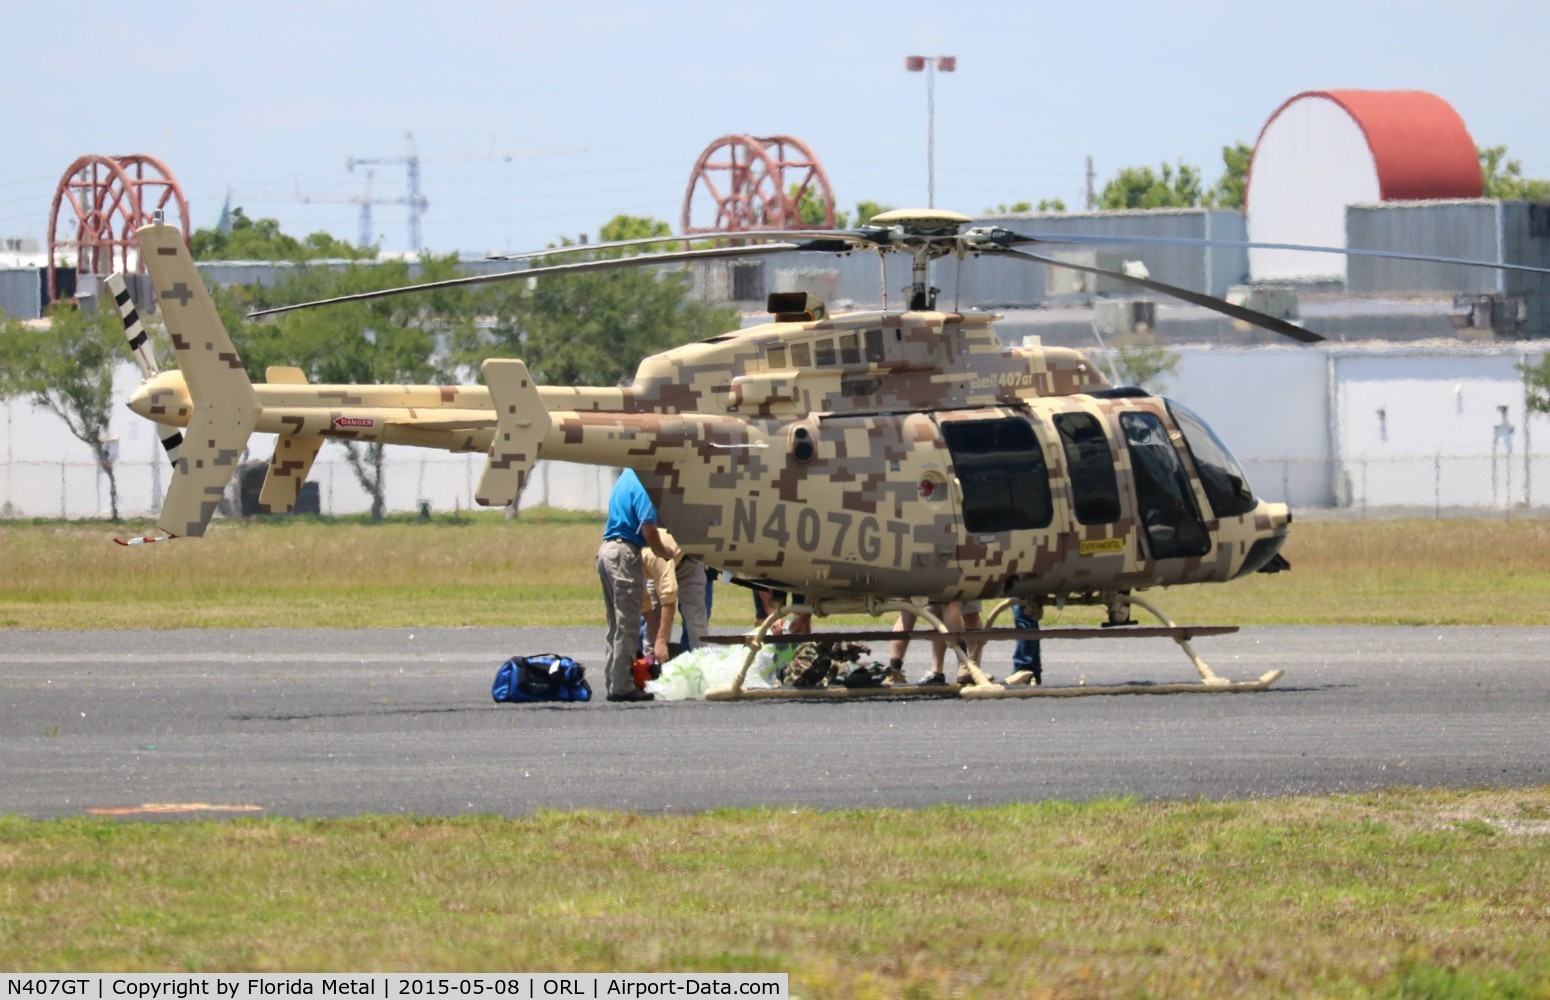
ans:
(225, 406)
(521, 421)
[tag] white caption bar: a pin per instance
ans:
(392, 986)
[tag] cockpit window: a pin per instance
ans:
(1001, 469)
(1227, 488)
(1163, 495)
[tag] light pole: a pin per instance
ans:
(931, 66)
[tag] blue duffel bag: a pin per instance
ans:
(546, 677)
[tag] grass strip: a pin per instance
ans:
(1396, 893)
(480, 569)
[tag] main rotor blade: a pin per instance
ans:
(857, 238)
(578, 267)
(1007, 238)
(1253, 316)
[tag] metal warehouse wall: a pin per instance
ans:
(21, 295)
(985, 283)
(1211, 271)
(1480, 229)
(1443, 228)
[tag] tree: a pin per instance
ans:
(633, 228)
(1503, 178)
(1229, 189)
(866, 209)
(591, 329)
(1141, 187)
(1044, 205)
(1142, 360)
(810, 208)
(1536, 385)
(261, 239)
(67, 369)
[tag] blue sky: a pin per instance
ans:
(619, 99)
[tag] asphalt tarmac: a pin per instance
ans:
(341, 723)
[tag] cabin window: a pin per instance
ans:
(1001, 470)
(850, 349)
(801, 356)
(823, 352)
(1094, 493)
(874, 346)
(775, 358)
(1222, 478)
(1164, 500)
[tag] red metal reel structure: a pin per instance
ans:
(741, 182)
(99, 203)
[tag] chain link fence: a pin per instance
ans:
(1436, 486)
(72, 489)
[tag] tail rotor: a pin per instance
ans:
(145, 358)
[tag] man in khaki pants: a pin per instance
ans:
(632, 526)
(671, 586)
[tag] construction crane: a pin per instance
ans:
(415, 200)
(411, 160)
(367, 236)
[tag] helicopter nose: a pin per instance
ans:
(1272, 521)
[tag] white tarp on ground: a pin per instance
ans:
(689, 675)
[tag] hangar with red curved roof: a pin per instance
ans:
(1325, 149)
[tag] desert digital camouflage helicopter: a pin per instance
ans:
(869, 461)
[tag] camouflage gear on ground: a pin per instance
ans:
(863, 675)
(817, 663)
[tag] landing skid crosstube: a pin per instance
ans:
(966, 646)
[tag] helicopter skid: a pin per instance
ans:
(983, 691)
(1217, 686)
(835, 692)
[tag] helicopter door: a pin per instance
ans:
(1004, 498)
(1101, 534)
(1165, 502)
(1001, 473)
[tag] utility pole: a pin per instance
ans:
(1092, 201)
(915, 64)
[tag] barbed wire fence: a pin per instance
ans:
(1435, 486)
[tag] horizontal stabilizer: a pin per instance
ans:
(521, 421)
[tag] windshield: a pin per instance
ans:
(1227, 488)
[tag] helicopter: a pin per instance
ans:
(870, 461)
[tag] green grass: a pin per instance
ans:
(480, 569)
(1402, 893)
(1394, 894)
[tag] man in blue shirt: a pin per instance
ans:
(632, 526)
